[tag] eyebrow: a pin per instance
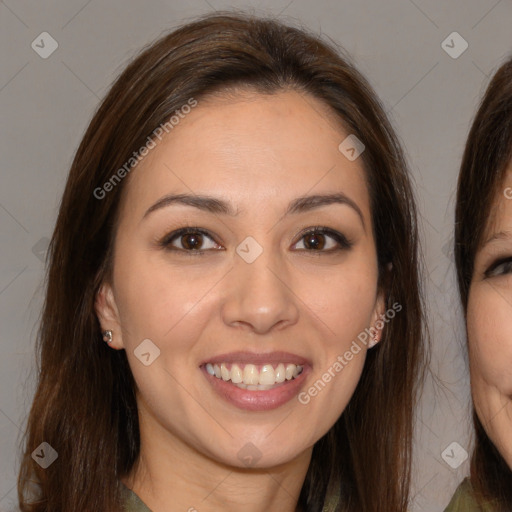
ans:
(219, 206)
(502, 235)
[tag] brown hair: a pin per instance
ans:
(85, 405)
(486, 157)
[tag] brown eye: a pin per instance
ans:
(190, 240)
(321, 239)
(314, 241)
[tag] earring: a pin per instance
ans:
(373, 341)
(107, 336)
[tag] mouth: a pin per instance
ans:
(256, 382)
(255, 377)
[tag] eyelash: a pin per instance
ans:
(491, 271)
(344, 243)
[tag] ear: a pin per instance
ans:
(379, 319)
(108, 314)
(377, 316)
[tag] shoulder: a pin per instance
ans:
(463, 500)
(131, 502)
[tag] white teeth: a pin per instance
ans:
(253, 379)
(259, 387)
(236, 374)
(289, 371)
(251, 375)
(280, 373)
(267, 375)
(224, 372)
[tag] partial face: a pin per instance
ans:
(250, 294)
(489, 323)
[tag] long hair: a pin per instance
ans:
(484, 164)
(85, 407)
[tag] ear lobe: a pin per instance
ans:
(108, 314)
(378, 315)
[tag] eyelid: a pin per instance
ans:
(495, 264)
(340, 238)
(165, 242)
(343, 242)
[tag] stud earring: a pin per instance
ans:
(107, 336)
(373, 341)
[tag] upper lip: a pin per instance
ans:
(257, 358)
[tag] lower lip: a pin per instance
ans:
(263, 400)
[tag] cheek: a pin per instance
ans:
(490, 337)
(157, 301)
(344, 299)
(345, 305)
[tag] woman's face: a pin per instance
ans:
(489, 323)
(260, 297)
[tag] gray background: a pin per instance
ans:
(430, 96)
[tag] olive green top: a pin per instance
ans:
(463, 500)
(131, 502)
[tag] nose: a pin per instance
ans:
(260, 295)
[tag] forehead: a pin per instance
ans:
(253, 146)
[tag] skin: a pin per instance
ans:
(489, 323)
(258, 152)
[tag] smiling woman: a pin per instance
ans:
(483, 253)
(263, 251)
